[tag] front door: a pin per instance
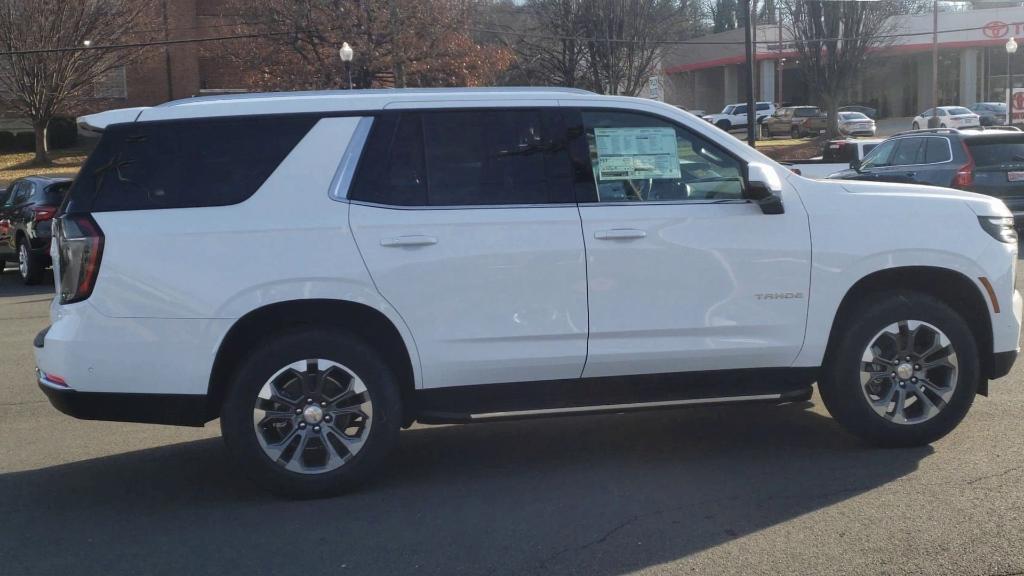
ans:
(469, 228)
(684, 274)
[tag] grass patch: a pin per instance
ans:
(65, 162)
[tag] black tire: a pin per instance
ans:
(33, 272)
(3, 265)
(942, 125)
(724, 125)
(272, 355)
(794, 132)
(915, 126)
(840, 384)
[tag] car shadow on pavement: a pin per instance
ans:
(11, 284)
(592, 495)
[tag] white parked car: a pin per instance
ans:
(946, 117)
(735, 115)
(471, 255)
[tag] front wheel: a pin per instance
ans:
(724, 125)
(904, 371)
(311, 413)
(916, 126)
(794, 132)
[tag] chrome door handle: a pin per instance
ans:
(417, 240)
(620, 234)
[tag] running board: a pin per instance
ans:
(620, 407)
(535, 399)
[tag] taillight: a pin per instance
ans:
(964, 177)
(41, 213)
(79, 249)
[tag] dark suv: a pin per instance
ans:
(985, 161)
(27, 209)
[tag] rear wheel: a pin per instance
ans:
(904, 372)
(311, 413)
(29, 267)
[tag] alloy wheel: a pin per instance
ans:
(909, 372)
(23, 257)
(312, 416)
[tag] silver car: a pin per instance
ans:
(856, 124)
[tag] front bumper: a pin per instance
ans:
(1001, 364)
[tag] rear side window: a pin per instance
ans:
(183, 164)
(909, 151)
(995, 152)
(467, 158)
(936, 151)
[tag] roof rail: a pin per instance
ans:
(993, 129)
(372, 92)
(928, 131)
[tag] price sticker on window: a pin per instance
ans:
(636, 153)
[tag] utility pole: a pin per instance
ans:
(748, 41)
(935, 56)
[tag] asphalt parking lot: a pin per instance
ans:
(733, 490)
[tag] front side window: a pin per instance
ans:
(467, 158)
(879, 157)
(740, 110)
(640, 158)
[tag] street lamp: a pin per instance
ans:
(346, 54)
(1011, 47)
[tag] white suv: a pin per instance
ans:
(735, 115)
(321, 269)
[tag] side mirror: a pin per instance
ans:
(855, 165)
(764, 187)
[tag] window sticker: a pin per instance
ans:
(636, 153)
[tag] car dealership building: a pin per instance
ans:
(897, 80)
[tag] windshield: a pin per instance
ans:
(728, 109)
(805, 112)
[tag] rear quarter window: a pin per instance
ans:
(183, 164)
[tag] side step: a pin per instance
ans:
(511, 401)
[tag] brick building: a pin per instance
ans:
(182, 70)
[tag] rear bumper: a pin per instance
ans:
(174, 409)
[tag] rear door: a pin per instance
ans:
(468, 225)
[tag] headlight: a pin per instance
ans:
(1000, 228)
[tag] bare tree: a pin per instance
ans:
(623, 46)
(43, 84)
(609, 46)
(396, 42)
(834, 40)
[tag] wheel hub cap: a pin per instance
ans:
(313, 414)
(905, 371)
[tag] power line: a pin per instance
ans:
(698, 42)
(162, 42)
